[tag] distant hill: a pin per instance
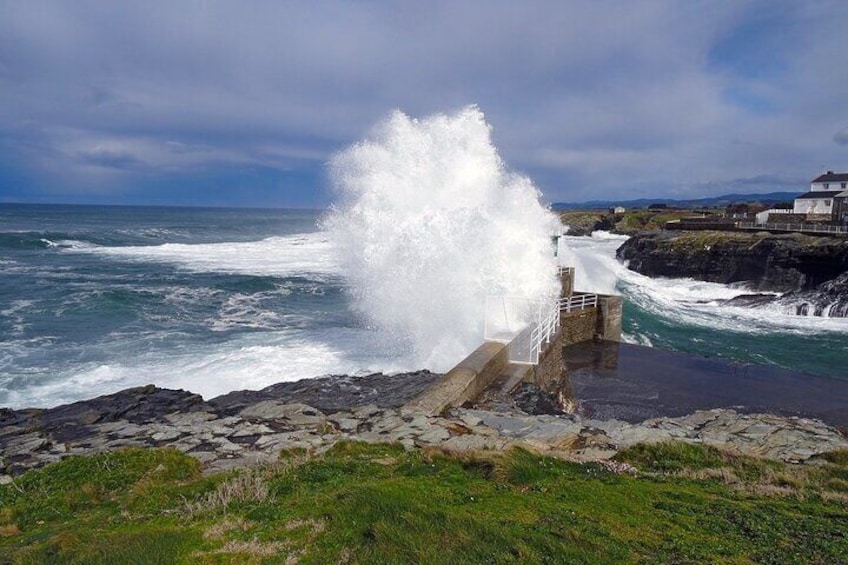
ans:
(720, 201)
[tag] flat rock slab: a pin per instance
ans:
(335, 393)
(260, 430)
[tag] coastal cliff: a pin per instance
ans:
(810, 270)
(767, 262)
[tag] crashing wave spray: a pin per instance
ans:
(429, 222)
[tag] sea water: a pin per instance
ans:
(690, 316)
(427, 222)
(96, 299)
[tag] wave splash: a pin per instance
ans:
(428, 221)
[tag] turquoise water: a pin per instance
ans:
(688, 316)
(819, 353)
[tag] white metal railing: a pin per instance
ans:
(801, 227)
(578, 302)
(543, 331)
(527, 325)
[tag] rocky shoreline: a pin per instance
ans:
(811, 272)
(254, 426)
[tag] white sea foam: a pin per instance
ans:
(251, 361)
(309, 253)
(154, 232)
(14, 315)
(681, 301)
(428, 222)
(74, 244)
(16, 306)
(68, 244)
(248, 311)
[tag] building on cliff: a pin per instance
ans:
(824, 191)
(830, 181)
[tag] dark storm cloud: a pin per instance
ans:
(610, 97)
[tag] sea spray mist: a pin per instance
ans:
(428, 221)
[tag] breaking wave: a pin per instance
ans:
(428, 221)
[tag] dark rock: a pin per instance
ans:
(10, 417)
(246, 440)
(136, 405)
(532, 399)
(750, 300)
(765, 262)
(334, 393)
(587, 225)
(828, 299)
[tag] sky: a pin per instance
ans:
(244, 103)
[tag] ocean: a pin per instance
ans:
(688, 315)
(94, 299)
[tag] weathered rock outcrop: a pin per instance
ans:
(767, 262)
(813, 267)
(581, 222)
(828, 299)
(335, 393)
(257, 429)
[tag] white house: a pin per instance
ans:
(763, 217)
(823, 189)
(830, 181)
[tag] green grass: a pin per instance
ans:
(363, 503)
(634, 221)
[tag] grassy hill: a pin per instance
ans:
(583, 222)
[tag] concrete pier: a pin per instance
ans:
(465, 381)
(489, 364)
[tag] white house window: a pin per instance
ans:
(844, 184)
(826, 185)
(827, 202)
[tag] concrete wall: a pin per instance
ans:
(566, 279)
(608, 325)
(465, 381)
(550, 368)
(475, 373)
(603, 322)
(578, 326)
(772, 215)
